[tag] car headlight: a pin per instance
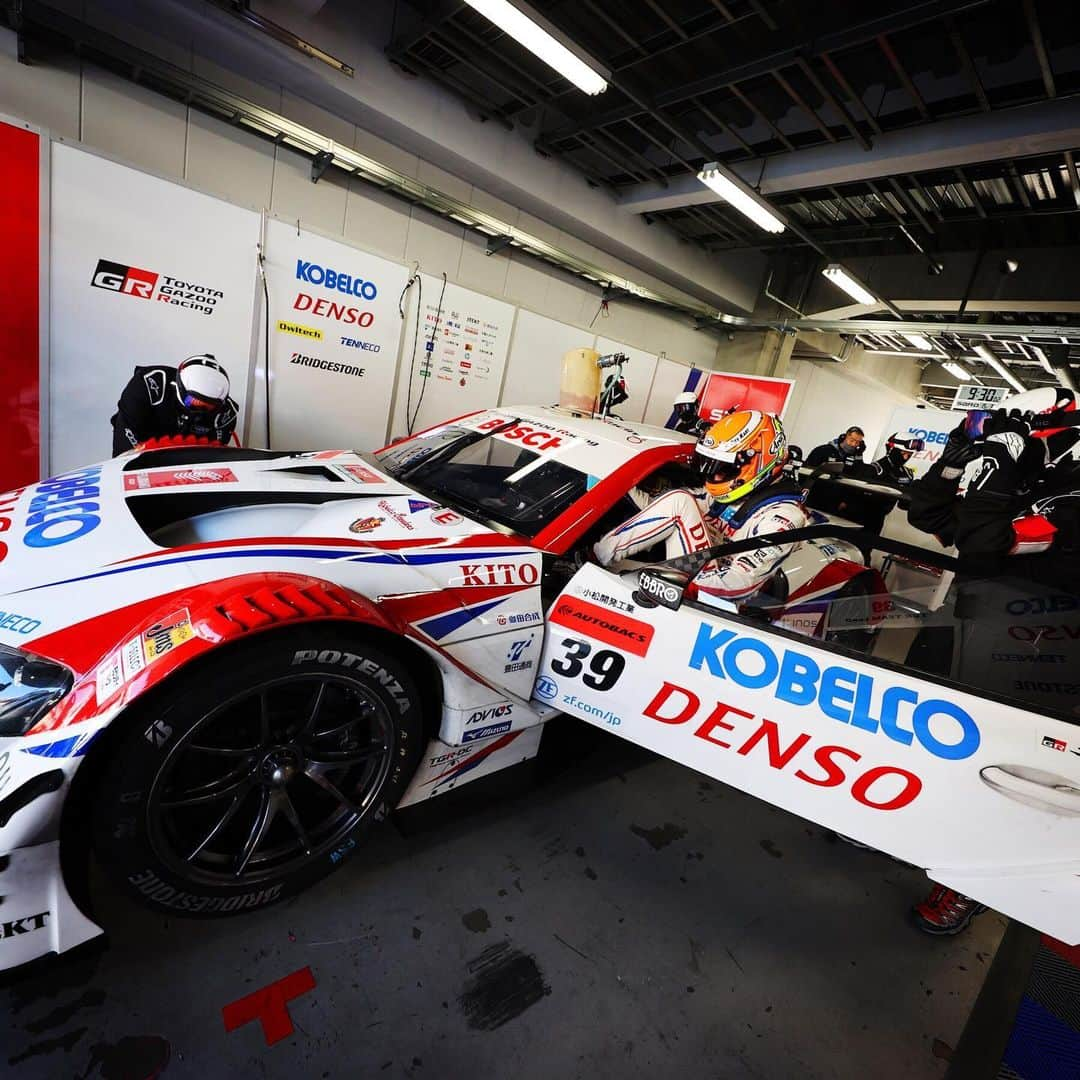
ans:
(29, 688)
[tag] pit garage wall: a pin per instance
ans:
(163, 137)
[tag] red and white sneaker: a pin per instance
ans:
(945, 911)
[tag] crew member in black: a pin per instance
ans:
(892, 466)
(972, 497)
(159, 401)
(848, 447)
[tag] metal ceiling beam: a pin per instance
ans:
(909, 204)
(838, 108)
(901, 73)
(972, 194)
(854, 98)
(1045, 127)
(667, 19)
(968, 64)
(1040, 48)
(1004, 331)
(1074, 180)
(722, 125)
(761, 116)
(835, 39)
(804, 105)
(197, 93)
(763, 14)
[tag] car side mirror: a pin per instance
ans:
(661, 586)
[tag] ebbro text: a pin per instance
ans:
(334, 279)
(841, 694)
(64, 509)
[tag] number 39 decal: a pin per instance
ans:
(604, 668)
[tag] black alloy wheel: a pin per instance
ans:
(255, 773)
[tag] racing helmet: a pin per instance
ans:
(739, 453)
(685, 409)
(900, 451)
(202, 384)
(202, 392)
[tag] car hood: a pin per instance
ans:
(79, 527)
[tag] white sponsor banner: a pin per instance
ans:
(334, 336)
(454, 364)
(930, 425)
(143, 271)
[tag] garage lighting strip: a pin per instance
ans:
(165, 78)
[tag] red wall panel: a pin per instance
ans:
(20, 392)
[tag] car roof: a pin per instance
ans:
(596, 446)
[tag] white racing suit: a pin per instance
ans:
(682, 519)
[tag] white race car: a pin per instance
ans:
(219, 666)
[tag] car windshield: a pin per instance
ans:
(488, 475)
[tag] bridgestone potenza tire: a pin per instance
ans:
(251, 777)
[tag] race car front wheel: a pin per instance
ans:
(252, 776)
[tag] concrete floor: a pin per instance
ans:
(625, 918)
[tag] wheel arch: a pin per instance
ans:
(75, 834)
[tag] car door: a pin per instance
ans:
(947, 744)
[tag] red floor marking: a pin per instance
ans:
(269, 1005)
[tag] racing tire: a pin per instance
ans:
(255, 774)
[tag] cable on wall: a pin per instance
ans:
(410, 417)
(266, 339)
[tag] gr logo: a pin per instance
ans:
(116, 277)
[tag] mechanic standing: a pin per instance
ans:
(848, 448)
(741, 460)
(892, 466)
(161, 401)
(973, 497)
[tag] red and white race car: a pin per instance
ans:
(219, 666)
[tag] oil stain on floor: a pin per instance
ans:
(503, 983)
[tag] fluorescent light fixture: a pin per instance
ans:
(539, 40)
(957, 371)
(842, 279)
(747, 201)
(986, 355)
(920, 341)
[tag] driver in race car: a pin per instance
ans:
(162, 401)
(741, 461)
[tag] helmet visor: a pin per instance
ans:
(195, 403)
(717, 472)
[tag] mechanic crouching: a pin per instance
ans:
(744, 494)
(161, 401)
(988, 494)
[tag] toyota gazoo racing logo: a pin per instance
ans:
(335, 280)
(150, 285)
(899, 712)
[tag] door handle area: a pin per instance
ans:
(1033, 787)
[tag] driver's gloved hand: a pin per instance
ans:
(958, 451)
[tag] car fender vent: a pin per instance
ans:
(318, 472)
(263, 607)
